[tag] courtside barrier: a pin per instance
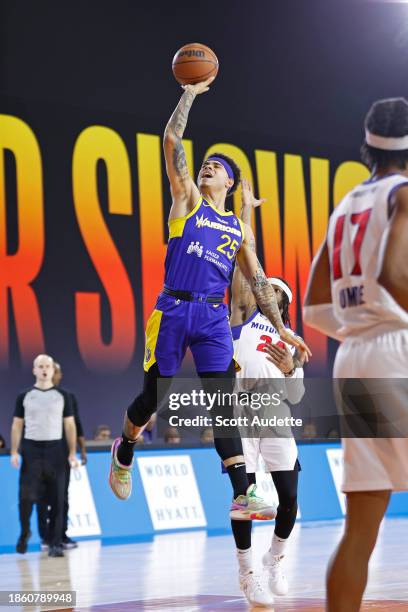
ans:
(175, 489)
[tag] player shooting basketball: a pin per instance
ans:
(204, 240)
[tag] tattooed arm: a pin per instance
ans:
(243, 303)
(264, 293)
(299, 359)
(183, 189)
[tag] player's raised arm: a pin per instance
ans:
(243, 301)
(265, 294)
(184, 191)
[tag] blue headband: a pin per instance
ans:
(226, 165)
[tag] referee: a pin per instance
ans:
(40, 415)
(43, 505)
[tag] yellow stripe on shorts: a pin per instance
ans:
(236, 364)
(152, 333)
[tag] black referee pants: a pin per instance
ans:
(43, 510)
(42, 476)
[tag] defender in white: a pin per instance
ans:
(266, 364)
(358, 293)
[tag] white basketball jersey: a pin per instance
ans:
(356, 239)
(278, 453)
(249, 341)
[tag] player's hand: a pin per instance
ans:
(297, 341)
(280, 356)
(73, 461)
(199, 88)
(84, 458)
(247, 195)
(299, 358)
(15, 460)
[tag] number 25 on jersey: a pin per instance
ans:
(230, 245)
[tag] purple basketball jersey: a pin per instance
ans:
(202, 249)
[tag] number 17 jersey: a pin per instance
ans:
(202, 249)
(356, 239)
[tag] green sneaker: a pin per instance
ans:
(250, 507)
(120, 477)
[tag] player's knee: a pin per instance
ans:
(141, 409)
(145, 404)
(228, 447)
(288, 503)
(365, 536)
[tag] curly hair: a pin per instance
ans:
(285, 304)
(388, 118)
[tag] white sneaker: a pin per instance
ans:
(278, 582)
(256, 592)
(120, 476)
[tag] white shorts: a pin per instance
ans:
(279, 454)
(374, 464)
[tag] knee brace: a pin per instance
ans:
(145, 404)
(141, 409)
(228, 447)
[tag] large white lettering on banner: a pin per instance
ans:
(335, 459)
(171, 491)
(82, 518)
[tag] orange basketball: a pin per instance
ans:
(194, 63)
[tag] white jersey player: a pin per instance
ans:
(251, 342)
(358, 293)
(264, 362)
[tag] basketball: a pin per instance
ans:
(194, 63)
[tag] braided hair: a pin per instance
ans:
(285, 304)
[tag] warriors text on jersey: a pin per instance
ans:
(356, 239)
(202, 249)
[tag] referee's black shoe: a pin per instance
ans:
(22, 543)
(56, 551)
(68, 543)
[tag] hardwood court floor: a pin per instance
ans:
(190, 572)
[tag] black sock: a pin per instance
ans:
(125, 450)
(242, 534)
(238, 478)
(251, 478)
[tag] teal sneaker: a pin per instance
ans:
(120, 477)
(250, 507)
